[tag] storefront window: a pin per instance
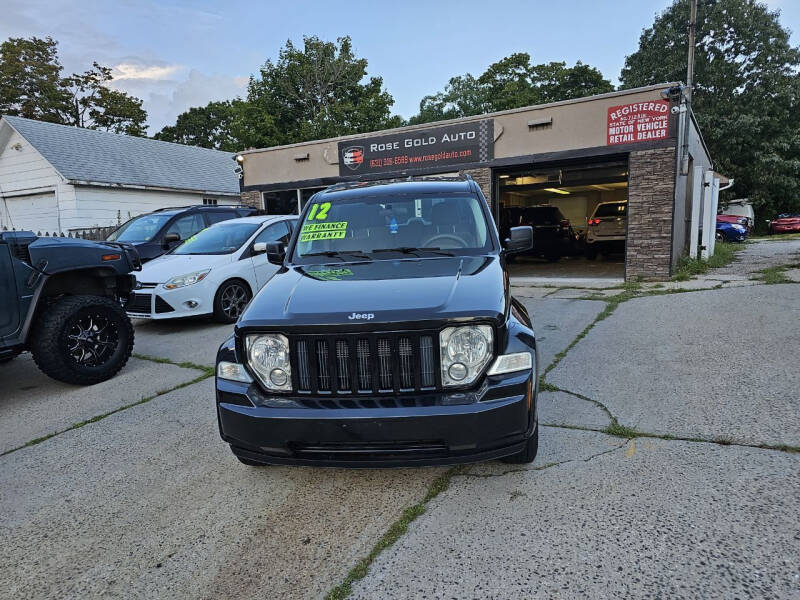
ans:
(283, 202)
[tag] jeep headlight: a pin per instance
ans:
(464, 352)
(268, 356)
(188, 279)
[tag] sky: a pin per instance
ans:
(175, 54)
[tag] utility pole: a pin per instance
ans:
(687, 93)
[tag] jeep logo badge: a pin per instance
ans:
(361, 316)
(353, 157)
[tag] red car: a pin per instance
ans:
(735, 220)
(785, 223)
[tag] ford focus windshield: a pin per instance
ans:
(223, 238)
(372, 227)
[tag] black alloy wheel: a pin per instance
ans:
(230, 301)
(82, 339)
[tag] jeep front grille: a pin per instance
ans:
(365, 364)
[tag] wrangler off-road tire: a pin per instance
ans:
(82, 340)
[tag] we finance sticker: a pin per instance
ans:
(323, 231)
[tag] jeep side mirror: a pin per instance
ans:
(520, 239)
(171, 238)
(259, 247)
(276, 252)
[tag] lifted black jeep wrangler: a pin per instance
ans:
(60, 299)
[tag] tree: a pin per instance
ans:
(31, 86)
(30, 79)
(312, 93)
(509, 83)
(216, 125)
(93, 105)
(746, 95)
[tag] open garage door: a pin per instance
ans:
(578, 214)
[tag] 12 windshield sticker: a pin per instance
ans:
(322, 231)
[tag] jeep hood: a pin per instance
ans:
(382, 291)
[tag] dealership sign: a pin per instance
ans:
(638, 122)
(459, 144)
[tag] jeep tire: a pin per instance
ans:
(82, 340)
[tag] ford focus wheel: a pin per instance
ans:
(230, 301)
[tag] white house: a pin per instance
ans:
(57, 178)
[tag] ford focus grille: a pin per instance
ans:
(365, 364)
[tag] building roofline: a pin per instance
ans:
(511, 111)
(133, 186)
(103, 133)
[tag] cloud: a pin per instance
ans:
(127, 71)
(164, 100)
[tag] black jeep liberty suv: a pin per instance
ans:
(388, 338)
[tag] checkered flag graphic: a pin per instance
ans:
(483, 139)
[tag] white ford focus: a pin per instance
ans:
(216, 271)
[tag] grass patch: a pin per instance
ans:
(773, 275)
(688, 268)
(622, 431)
(100, 417)
(779, 237)
(546, 387)
(395, 532)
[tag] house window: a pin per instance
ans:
(210, 201)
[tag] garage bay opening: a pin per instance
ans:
(579, 215)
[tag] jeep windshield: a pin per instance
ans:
(373, 227)
(223, 238)
(140, 229)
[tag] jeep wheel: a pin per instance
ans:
(82, 340)
(230, 301)
(528, 454)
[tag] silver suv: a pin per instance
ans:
(606, 229)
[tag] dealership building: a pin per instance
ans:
(632, 146)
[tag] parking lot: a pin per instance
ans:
(668, 466)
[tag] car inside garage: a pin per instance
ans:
(578, 213)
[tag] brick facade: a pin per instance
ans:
(483, 177)
(252, 199)
(651, 191)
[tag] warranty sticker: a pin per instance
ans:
(323, 231)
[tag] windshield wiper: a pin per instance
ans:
(338, 253)
(412, 250)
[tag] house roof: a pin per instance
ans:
(89, 156)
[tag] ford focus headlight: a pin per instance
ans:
(268, 356)
(188, 279)
(464, 351)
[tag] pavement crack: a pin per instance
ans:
(622, 431)
(597, 403)
(543, 467)
(206, 374)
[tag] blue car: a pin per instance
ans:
(731, 232)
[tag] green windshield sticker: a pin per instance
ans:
(319, 211)
(330, 274)
(323, 231)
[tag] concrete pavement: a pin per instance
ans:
(711, 364)
(649, 519)
(33, 405)
(149, 503)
